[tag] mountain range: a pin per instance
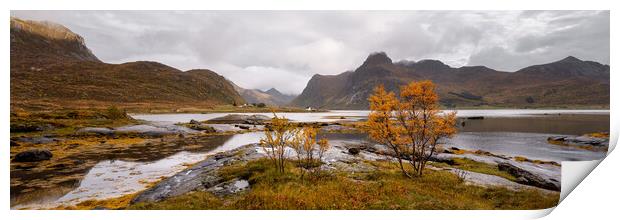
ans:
(271, 97)
(569, 82)
(51, 67)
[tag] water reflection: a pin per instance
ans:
(571, 124)
(336, 115)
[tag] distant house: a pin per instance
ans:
(310, 109)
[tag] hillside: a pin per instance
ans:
(271, 97)
(569, 82)
(52, 68)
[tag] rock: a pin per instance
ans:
(202, 176)
(29, 127)
(202, 127)
(525, 177)
(95, 130)
(579, 141)
(354, 150)
(244, 127)
(240, 119)
(229, 188)
(194, 122)
(475, 118)
(440, 159)
(33, 155)
(36, 140)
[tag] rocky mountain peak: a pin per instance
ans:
(377, 58)
(46, 29)
(44, 39)
(273, 91)
(571, 59)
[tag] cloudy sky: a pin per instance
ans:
(283, 49)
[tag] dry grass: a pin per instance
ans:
(386, 188)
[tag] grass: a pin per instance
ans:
(478, 167)
(385, 188)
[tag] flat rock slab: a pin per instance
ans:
(154, 130)
(580, 141)
(201, 176)
(240, 119)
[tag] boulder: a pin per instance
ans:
(525, 177)
(29, 127)
(33, 155)
(354, 150)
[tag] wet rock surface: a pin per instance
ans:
(33, 155)
(525, 177)
(146, 130)
(202, 176)
(580, 141)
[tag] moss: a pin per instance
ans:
(599, 135)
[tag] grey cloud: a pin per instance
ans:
(283, 49)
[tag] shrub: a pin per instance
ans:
(115, 114)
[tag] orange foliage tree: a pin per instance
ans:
(410, 126)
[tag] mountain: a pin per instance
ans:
(271, 97)
(569, 82)
(51, 67)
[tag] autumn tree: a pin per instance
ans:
(410, 126)
(309, 151)
(282, 134)
(277, 137)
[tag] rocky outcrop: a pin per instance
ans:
(145, 130)
(240, 119)
(199, 126)
(525, 177)
(33, 155)
(230, 187)
(580, 141)
(202, 176)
